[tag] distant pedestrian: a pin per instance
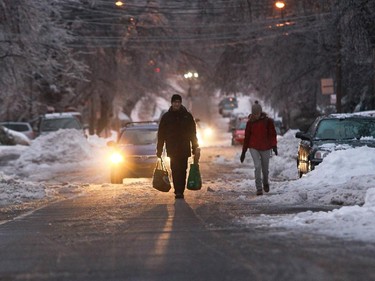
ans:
(177, 129)
(260, 138)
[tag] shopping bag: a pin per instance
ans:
(194, 181)
(160, 179)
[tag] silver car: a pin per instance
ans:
(22, 127)
(134, 153)
(55, 121)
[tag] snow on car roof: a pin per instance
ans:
(62, 114)
(141, 124)
(354, 114)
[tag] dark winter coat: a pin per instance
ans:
(260, 134)
(177, 130)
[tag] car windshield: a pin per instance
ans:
(340, 129)
(138, 137)
(229, 105)
(50, 125)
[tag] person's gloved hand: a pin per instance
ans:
(242, 158)
(275, 150)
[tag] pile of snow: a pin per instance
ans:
(15, 191)
(59, 150)
(346, 222)
(342, 179)
(284, 166)
(354, 222)
(62, 151)
(57, 147)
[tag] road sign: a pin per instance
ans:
(327, 86)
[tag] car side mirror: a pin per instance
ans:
(303, 136)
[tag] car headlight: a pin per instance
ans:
(320, 154)
(116, 158)
(208, 132)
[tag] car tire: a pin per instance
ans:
(116, 177)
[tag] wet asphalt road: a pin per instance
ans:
(109, 233)
(102, 236)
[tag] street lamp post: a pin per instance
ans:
(189, 76)
(281, 6)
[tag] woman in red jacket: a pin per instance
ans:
(260, 138)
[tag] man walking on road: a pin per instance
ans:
(260, 138)
(177, 130)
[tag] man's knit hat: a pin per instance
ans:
(176, 97)
(256, 108)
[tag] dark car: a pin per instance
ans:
(333, 132)
(134, 153)
(22, 127)
(238, 133)
(227, 105)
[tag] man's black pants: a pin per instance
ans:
(179, 167)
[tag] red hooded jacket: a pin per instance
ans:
(260, 134)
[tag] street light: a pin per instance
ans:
(119, 3)
(190, 75)
(281, 6)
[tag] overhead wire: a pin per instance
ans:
(110, 14)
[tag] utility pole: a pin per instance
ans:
(250, 10)
(338, 73)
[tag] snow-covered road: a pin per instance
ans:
(65, 164)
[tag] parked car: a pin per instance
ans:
(22, 127)
(52, 122)
(238, 133)
(10, 137)
(333, 132)
(227, 105)
(134, 152)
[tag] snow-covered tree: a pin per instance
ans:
(36, 64)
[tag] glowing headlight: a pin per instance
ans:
(116, 158)
(208, 132)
